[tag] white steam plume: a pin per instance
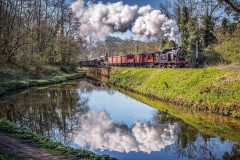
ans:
(99, 20)
(98, 131)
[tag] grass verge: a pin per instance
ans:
(207, 123)
(9, 82)
(210, 89)
(39, 141)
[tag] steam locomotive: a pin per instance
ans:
(167, 58)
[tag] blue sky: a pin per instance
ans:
(153, 3)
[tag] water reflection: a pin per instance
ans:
(48, 111)
(88, 114)
(98, 131)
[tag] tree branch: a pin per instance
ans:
(235, 7)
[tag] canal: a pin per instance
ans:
(88, 114)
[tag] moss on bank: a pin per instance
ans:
(11, 83)
(39, 141)
(210, 89)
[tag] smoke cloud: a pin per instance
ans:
(99, 20)
(98, 131)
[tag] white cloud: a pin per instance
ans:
(98, 131)
(99, 20)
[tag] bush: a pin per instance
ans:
(229, 48)
(212, 57)
(29, 62)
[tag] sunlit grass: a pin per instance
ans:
(206, 123)
(208, 89)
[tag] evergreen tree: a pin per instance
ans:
(207, 31)
(183, 21)
(193, 34)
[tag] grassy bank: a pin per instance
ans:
(207, 123)
(213, 90)
(13, 81)
(39, 141)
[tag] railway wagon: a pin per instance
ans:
(130, 60)
(110, 61)
(123, 61)
(115, 61)
(149, 59)
(139, 59)
(119, 60)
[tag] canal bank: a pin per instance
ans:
(207, 123)
(11, 82)
(90, 115)
(21, 143)
(41, 106)
(211, 89)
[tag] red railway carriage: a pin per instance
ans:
(123, 60)
(115, 60)
(110, 61)
(119, 60)
(150, 58)
(130, 59)
(139, 59)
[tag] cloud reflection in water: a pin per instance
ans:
(98, 131)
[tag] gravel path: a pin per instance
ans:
(24, 150)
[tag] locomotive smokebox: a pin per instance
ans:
(181, 54)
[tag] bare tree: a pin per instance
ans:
(30, 30)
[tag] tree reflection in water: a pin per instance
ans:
(193, 144)
(49, 111)
(62, 113)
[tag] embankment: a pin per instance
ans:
(207, 123)
(211, 89)
(11, 83)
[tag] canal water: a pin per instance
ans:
(87, 114)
